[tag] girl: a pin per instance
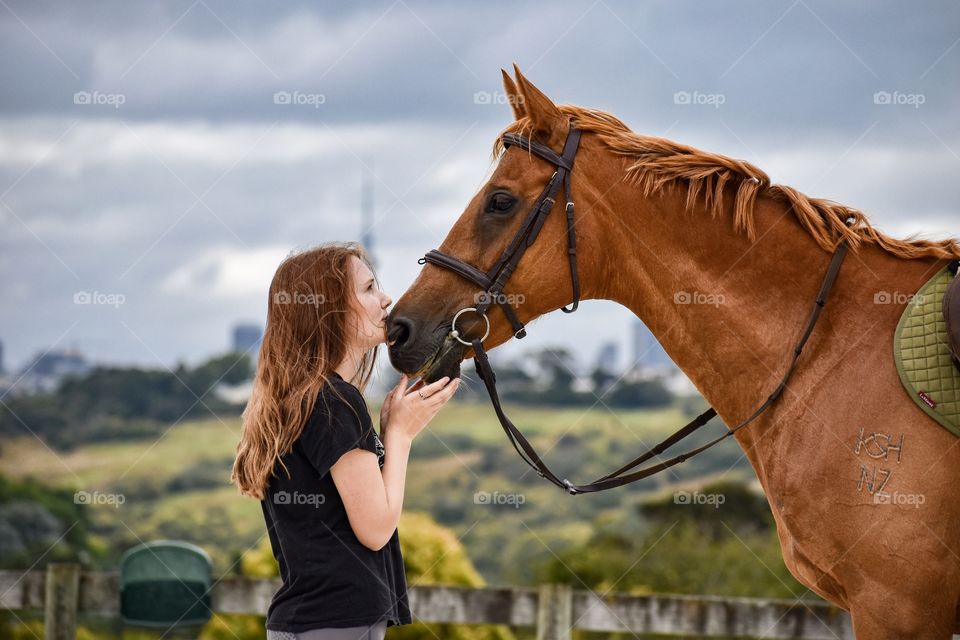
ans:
(332, 513)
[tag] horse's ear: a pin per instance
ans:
(513, 96)
(548, 123)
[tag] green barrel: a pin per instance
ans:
(165, 583)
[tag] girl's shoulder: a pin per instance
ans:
(339, 400)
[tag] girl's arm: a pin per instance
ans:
(374, 499)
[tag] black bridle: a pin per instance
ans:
(493, 281)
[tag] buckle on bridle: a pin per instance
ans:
(456, 334)
(547, 204)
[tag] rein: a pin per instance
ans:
(493, 281)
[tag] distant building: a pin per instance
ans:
(60, 363)
(47, 369)
(647, 352)
(609, 357)
(235, 394)
(651, 362)
(2, 369)
(679, 384)
(247, 338)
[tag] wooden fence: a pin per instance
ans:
(64, 590)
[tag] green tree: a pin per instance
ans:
(644, 393)
(731, 550)
(601, 379)
(37, 521)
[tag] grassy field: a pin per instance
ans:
(177, 485)
(107, 465)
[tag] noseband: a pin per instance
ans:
(493, 281)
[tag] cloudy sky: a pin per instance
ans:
(144, 156)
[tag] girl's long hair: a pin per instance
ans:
(310, 314)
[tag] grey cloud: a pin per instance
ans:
(778, 64)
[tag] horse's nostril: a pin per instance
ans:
(400, 331)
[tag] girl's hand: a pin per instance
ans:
(408, 411)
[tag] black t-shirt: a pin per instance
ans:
(330, 579)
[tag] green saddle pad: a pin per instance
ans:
(923, 355)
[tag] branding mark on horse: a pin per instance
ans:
(874, 482)
(879, 445)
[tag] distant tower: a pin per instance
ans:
(647, 351)
(2, 370)
(608, 357)
(366, 214)
(247, 338)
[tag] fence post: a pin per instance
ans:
(62, 599)
(555, 612)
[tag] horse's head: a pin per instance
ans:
(420, 324)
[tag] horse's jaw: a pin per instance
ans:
(444, 362)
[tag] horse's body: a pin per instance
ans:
(863, 485)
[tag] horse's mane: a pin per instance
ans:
(658, 162)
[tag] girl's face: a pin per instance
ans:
(371, 306)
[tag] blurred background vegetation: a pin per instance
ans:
(474, 513)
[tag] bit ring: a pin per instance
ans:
(456, 334)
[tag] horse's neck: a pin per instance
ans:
(728, 310)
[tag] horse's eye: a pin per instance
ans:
(500, 203)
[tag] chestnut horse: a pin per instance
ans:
(863, 486)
